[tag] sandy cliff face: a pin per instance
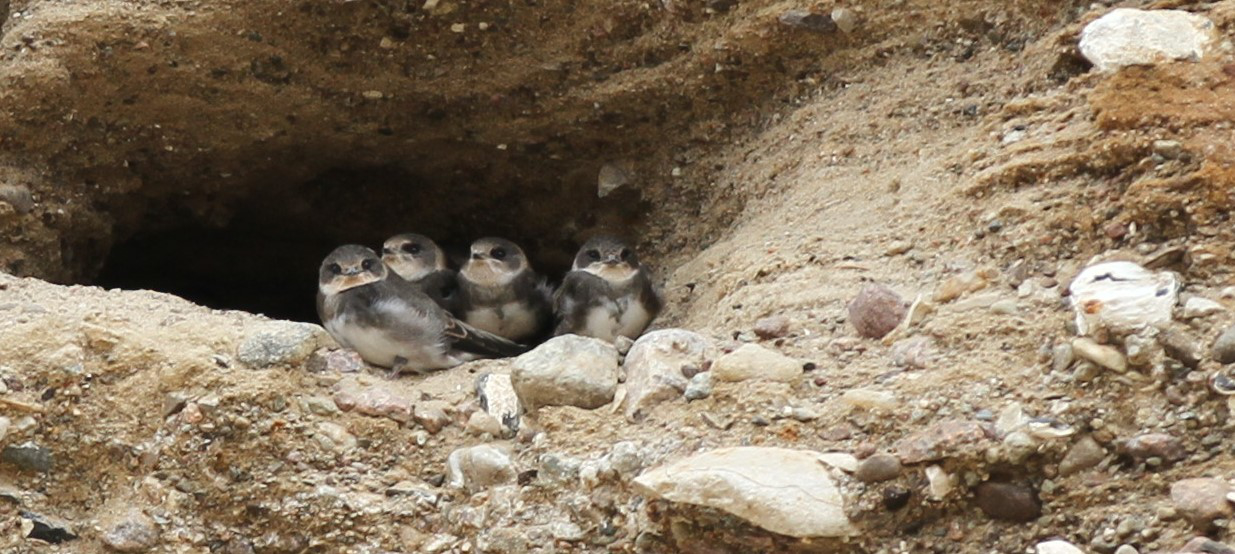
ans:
(772, 163)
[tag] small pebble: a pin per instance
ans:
(879, 467)
(1202, 500)
(1008, 501)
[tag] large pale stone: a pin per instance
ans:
(1144, 37)
(1122, 297)
(784, 491)
(751, 361)
(566, 371)
(654, 367)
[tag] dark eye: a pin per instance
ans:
(335, 269)
(593, 254)
(625, 254)
(411, 248)
(366, 265)
(498, 253)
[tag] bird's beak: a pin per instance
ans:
(612, 261)
(477, 256)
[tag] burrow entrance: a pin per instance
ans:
(264, 257)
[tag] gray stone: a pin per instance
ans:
(432, 415)
(278, 343)
(17, 196)
(479, 467)
(1201, 500)
(772, 327)
(808, 21)
(751, 361)
(912, 353)
(879, 467)
(1224, 346)
(28, 456)
(876, 311)
(335, 437)
(1128, 36)
(133, 531)
(47, 528)
(626, 458)
(1153, 445)
(1008, 501)
(654, 367)
(1086, 453)
(784, 491)
(568, 370)
(700, 387)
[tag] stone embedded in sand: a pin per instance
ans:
(497, 398)
(335, 437)
(1122, 297)
(17, 196)
(879, 467)
(1145, 37)
(772, 327)
(1197, 306)
(1008, 501)
(913, 352)
(433, 415)
(373, 400)
(957, 285)
(479, 467)
(876, 311)
(1223, 350)
(1057, 547)
(279, 343)
(808, 21)
(1105, 356)
(134, 531)
(1202, 500)
(784, 491)
(654, 367)
(846, 19)
(751, 361)
(335, 361)
(1153, 445)
(566, 371)
(1086, 453)
(28, 456)
(939, 441)
(699, 387)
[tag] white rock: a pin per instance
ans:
(1105, 356)
(870, 399)
(1057, 547)
(1122, 297)
(654, 367)
(1145, 37)
(939, 483)
(846, 19)
(843, 461)
(566, 371)
(478, 467)
(335, 437)
(612, 176)
(784, 491)
(496, 396)
(751, 361)
(1200, 307)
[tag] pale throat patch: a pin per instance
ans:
(613, 273)
(488, 272)
(342, 283)
(409, 269)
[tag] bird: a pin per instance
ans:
(419, 261)
(499, 292)
(607, 293)
(391, 323)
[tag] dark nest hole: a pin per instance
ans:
(265, 258)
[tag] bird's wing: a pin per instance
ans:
(470, 339)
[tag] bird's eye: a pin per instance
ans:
(411, 248)
(498, 253)
(335, 269)
(593, 254)
(625, 254)
(366, 265)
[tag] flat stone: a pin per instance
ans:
(781, 490)
(28, 456)
(1205, 545)
(134, 531)
(876, 311)
(808, 21)
(1057, 547)
(654, 367)
(870, 399)
(432, 415)
(958, 285)
(1153, 445)
(1008, 501)
(1128, 36)
(846, 20)
(479, 467)
(772, 327)
(1105, 356)
(879, 467)
(1197, 306)
(328, 360)
(567, 370)
(939, 441)
(1085, 454)
(751, 361)
(1202, 500)
(374, 400)
(1223, 350)
(279, 343)
(47, 528)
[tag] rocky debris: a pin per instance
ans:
(496, 396)
(654, 367)
(772, 327)
(279, 343)
(481, 423)
(843, 461)
(1086, 453)
(699, 387)
(46, 528)
(913, 353)
(939, 441)
(1205, 545)
(1105, 356)
(808, 21)
(1008, 501)
(432, 415)
(870, 399)
(28, 456)
(1057, 546)
(334, 437)
(782, 490)
(567, 370)
(1182, 348)
(879, 467)
(17, 196)
(1122, 297)
(613, 176)
(373, 400)
(479, 467)
(1223, 350)
(751, 361)
(625, 458)
(939, 483)
(847, 21)
(1128, 36)
(958, 285)
(1148, 446)
(876, 311)
(1202, 500)
(332, 360)
(1196, 306)
(133, 531)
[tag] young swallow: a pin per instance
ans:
(419, 261)
(606, 294)
(390, 322)
(499, 292)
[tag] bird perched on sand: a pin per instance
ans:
(499, 292)
(419, 261)
(607, 293)
(390, 322)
